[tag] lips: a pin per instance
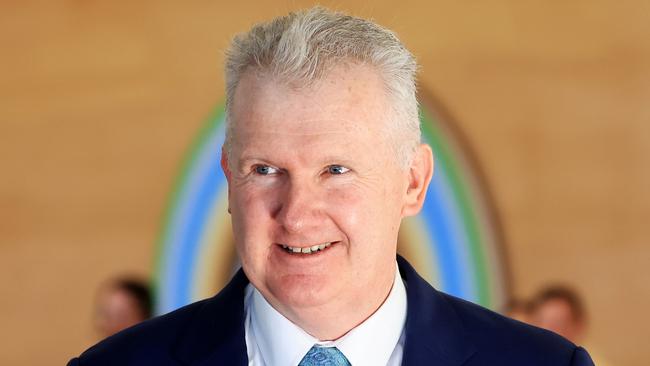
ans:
(307, 250)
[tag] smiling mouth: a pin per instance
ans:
(307, 250)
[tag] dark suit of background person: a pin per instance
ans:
(441, 330)
(323, 160)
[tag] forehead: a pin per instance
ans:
(349, 100)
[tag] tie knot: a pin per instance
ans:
(324, 356)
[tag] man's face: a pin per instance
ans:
(115, 310)
(311, 171)
(556, 315)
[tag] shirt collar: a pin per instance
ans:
(280, 341)
(373, 341)
(370, 343)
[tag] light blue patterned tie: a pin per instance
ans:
(324, 356)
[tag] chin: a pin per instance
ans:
(302, 291)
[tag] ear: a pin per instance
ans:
(419, 177)
(226, 171)
(224, 164)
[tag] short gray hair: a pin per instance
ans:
(301, 47)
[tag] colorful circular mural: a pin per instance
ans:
(455, 242)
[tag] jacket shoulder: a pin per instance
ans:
(498, 338)
(212, 327)
(147, 343)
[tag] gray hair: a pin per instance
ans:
(301, 47)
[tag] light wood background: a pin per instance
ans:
(99, 100)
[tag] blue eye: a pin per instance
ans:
(265, 170)
(337, 169)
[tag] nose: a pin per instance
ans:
(300, 207)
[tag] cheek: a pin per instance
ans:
(251, 223)
(346, 205)
(251, 205)
(364, 215)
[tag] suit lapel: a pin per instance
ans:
(434, 333)
(216, 335)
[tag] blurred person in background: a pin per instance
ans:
(560, 309)
(120, 304)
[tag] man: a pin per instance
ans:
(559, 309)
(323, 160)
(121, 303)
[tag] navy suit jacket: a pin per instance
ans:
(441, 330)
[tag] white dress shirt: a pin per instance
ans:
(273, 340)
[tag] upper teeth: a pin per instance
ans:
(307, 250)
